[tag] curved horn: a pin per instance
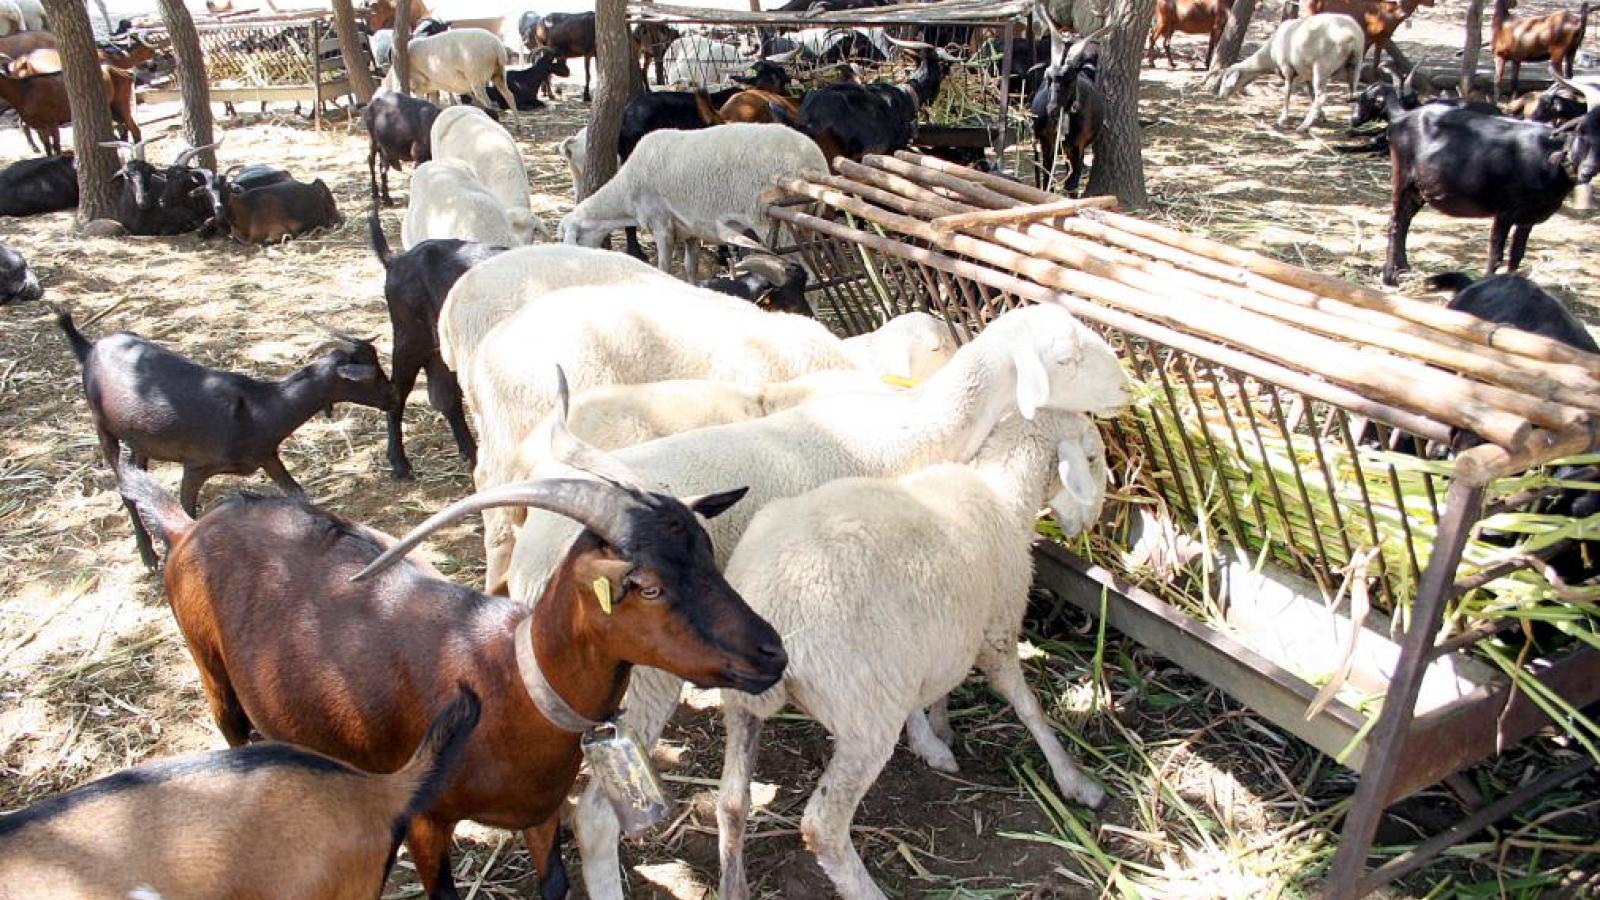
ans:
(1410, 83)
(769, 267)
(596, 505)
(908, 45)
(573, 452)
(1591, 93)
(184, 157)
(783, 58)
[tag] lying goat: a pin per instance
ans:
(17, 282)
(166, 407)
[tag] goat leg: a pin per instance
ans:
(281, 477)
(1288, 94)
(111, 449)
(544, 848)
(1497, 243)
(586, 79)
(1519, 243)
(189, 490)
(403, 380)
(1319, 94)
(1516, 73)
(429, 843)
(1407, 201)
(444, 395)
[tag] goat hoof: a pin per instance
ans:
(404, 474)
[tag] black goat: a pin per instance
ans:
(852, 120)
(414, 287)
(17, 281)
(526, 83)
(1069, 90)
(821, 6)
(1469, 165)
(768, 282)
(398, 129)
(1385, 101)
(1557, 106)
(139, 208)
(34, 186)
(567, 35)
(167, 407)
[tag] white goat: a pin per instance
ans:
(700, 61)
(575, 150)
(11, 18)
(458, 61)
(1311, 49)
(448, 201)
(911, 345)
(467, 134)
(887, 593)
(710, 185)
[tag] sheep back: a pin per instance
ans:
(448, 201)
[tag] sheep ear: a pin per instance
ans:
(1033, 382)
(713, 505)
(357, 373)
(1076, 476)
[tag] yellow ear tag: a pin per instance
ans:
(899, 381)
(602, 592)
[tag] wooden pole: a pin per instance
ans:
(1018, 215)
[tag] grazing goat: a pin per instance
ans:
(649, 111)
(460, 61)
(1207, 17)
(41, 103)
(415, 284)
(18, 284)
(215, 824)
(1470, 165)
(892, 590)
(34, 186)
(1379, 18)
(269, 214)
(711, 185)
(527, 83)
(852, 120)
(1312, 49)
(767, 281)
(398, 130)
(299, 653)
(167, 407)
(1555, 37)
(567, 35)
(1070, 89)
(469, 136)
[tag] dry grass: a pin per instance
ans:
(1211, 802)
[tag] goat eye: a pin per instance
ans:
(651, 592)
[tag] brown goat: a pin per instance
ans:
(267, 819)
(1190, 17)
(381, 14)
(756, 106)
(1554, 37)
(21, 42)
(287, 644)
(1379, 18)
(41, 100)
(269, 214)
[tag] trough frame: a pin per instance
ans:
(892, 234)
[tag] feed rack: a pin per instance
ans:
(972, 112)
(1287, 414)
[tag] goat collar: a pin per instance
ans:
(544, 696)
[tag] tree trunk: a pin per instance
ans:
(91, 114)
(1231, 42)
(1469, 48)
(1119, 147)
(402, 45)
(354, 50)
(613, 60)
(191, 78)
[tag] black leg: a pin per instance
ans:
(280, 476)
(1497, 243)
(1407, 202)
(1519, 243)
(403, 380)
(444, 395)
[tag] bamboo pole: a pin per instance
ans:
(1018, 215)
(960, 187)
(1245, 363)
(1483, 409)
(1481, 465)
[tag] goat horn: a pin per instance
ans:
(1591, 93)
(593, 504)
(769, 267)
(571, 451)
(184, 157)
(908, 45)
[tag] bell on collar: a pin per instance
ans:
(624, 771)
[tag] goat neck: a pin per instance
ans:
(281, 407)
(923, 85)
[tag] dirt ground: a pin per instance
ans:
(1210, 801)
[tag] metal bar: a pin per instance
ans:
(1300, 484)
(1329, 483)
(1388, 735)
(1342, 421)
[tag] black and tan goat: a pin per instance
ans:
(266, 819)
(767, 281)
(398, 129)
(167, 407)
(265, 215)
(289, 646)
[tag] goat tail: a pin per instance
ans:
(702, 104)
(1454, 282)
(424, 776)
(161, 512)
(80, 345)
(380, 243)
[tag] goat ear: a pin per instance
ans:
(1033, 382)
(713, 505)
(351, 372)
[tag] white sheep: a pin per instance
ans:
(32, 15)
(912, 345)
(1311, 49)
(697, 60)
(458, 61)
(11, 18)
(712, 185)
(887, 592)
(575, 150)
(448, 201)
(467, 134)
(382, 46)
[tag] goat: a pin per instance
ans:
(41, 102)
(18, 284)
(139, 207)
(1557, 106)
(528, 82)
(567, 35)
(1312, 49)
(768, 282)
(1070, 88)
(415, 284)
(1207, 17)
(267, 215)
(448, 201)
(1469, 165)
(299, 653)
(180, 813)
(15, 45)
(650, 42)
(398, 130)
(381, 14)
(1379, 18)
(1555, 37)
(11, 21)
(469, 136)
(699, 61)
(185, 185)
(460, 61)
(167, 407)
(852, 120)
(34, 186)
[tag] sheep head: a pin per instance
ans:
(1060, 364)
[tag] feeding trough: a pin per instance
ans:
(1288, 533)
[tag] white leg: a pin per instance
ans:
(652, 698)
(854, 767)
(1005, 675)
(939, 720)
(511, 101)
(662, 232)
(733, 797)
(927, 745)
(691, 260)
(1319, 93)
(1288, 92)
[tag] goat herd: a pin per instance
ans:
(671, 476)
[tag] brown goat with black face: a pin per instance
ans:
(269, 819)
(288, 645)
